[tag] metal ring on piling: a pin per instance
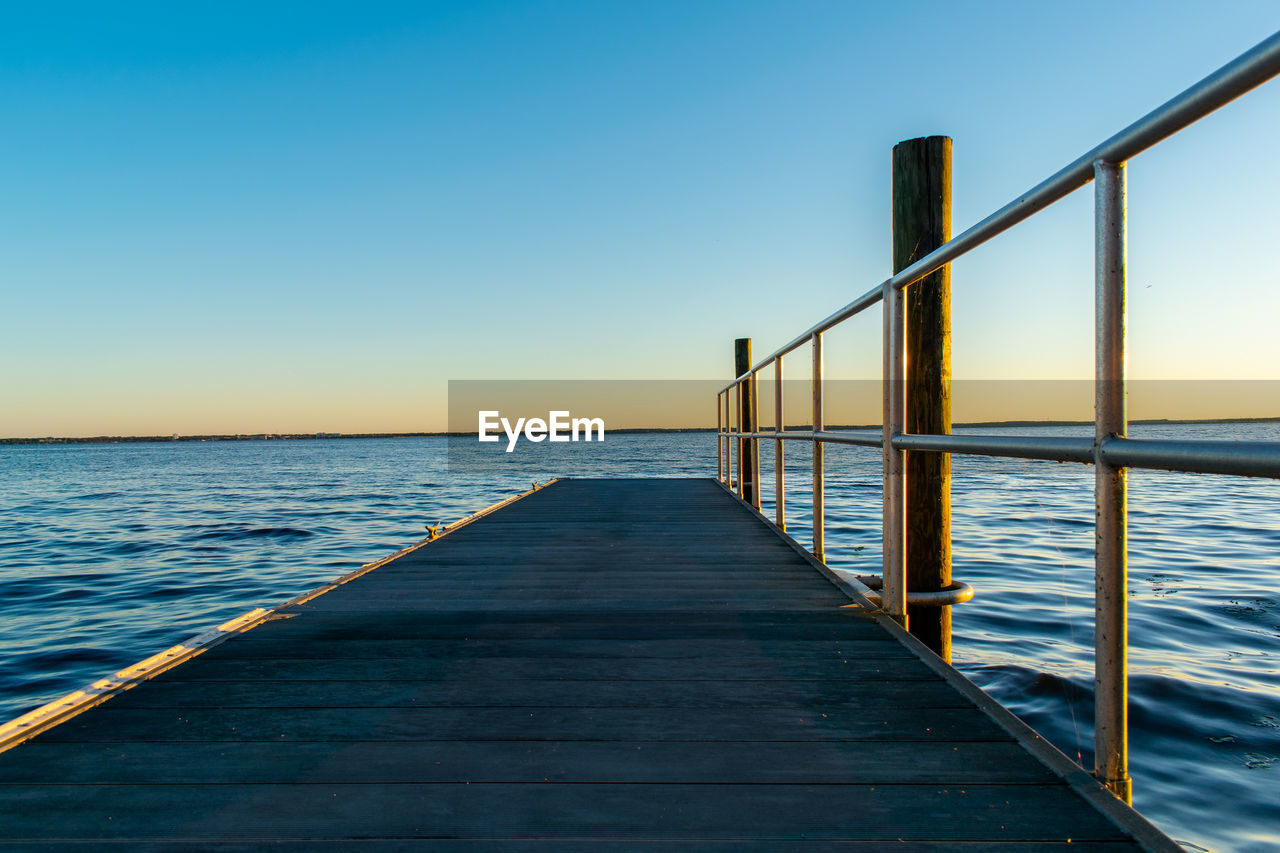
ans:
(957, 592)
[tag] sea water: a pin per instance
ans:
(111, 552)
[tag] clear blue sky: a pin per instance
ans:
(255, 217)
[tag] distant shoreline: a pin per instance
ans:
(324, 436)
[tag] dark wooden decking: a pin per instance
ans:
(604, 664)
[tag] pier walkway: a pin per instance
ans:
(601, 664)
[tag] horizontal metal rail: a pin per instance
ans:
(1051, 448)
(1236, 458)
(822, 435)
(1239, 458)
(1232, 458)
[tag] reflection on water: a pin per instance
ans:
(109, 553)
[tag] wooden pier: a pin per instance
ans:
(601, 664)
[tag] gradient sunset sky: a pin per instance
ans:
(277, 217)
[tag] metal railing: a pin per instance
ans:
(1110, 451)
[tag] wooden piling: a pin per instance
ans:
(921, 223)
(747, 458)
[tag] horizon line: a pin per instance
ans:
(320, 436)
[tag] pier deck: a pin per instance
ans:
(603, 664)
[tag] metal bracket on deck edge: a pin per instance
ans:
(956, 592)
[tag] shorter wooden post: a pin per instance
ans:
(746, 411)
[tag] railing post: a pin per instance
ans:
(719, 440)
(893, 592)
(757, 485)
(922, 223)
(779, 468)
(727, 449)
(746, 408)
(819, 498)
(735, 442)
(1111, 606)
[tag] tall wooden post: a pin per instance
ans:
(746, 421)
(921, 223)
(819, 469)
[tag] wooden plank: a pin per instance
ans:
(667, 649)
(499, 761)
(111, 723)
(526, 693)
(465, 667)
(601, 582)
(456, 624)
(585, 603)
(884, 813)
